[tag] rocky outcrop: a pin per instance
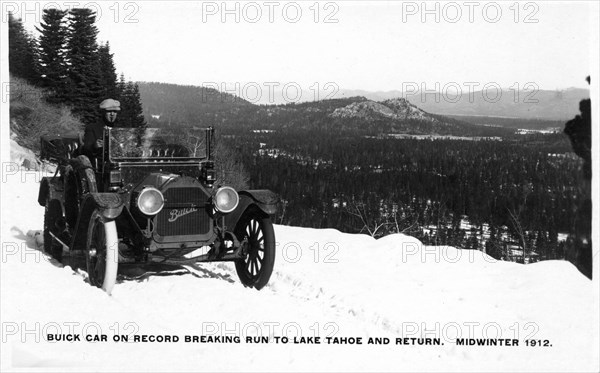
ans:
(396, 108)
(406, 110)
(364, 110)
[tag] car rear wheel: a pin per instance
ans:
(52, 213)
(255, 269)
(102, 252)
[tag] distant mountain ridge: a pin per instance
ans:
(529, 104)
(170, 104)
(182, 104)
(506, 102)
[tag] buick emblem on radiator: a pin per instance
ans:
(176, 213)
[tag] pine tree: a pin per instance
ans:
(137, 112)
(21, 51)
(85, 89)
(121, 84)
(123, 118)
(108, 78)
(131, 114)
(52, 63)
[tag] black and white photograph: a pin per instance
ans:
(299, 186)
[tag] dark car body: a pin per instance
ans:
(159, 187)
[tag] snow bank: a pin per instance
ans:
(23, 157)
(325, 283)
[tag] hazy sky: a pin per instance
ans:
(375, 45)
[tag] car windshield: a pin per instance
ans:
(157, 143)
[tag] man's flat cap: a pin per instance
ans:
(110, 104)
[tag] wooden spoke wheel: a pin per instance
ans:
(52, 214)
(255, 269)
(102, 252)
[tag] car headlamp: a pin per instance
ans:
(150, 201)
(226, 199)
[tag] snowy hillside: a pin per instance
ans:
(325, 284)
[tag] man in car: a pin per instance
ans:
(93, 139)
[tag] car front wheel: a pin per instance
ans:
(256, 232)
(101, 254)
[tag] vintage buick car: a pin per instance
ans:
(151, 197)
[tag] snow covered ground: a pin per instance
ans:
(325, 284)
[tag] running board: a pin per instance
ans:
(236, 255)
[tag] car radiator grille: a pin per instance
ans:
(184, 213)
(177, 197)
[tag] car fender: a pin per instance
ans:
(50, 188)
(265, 200)
(110, 206)
(44, 191)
